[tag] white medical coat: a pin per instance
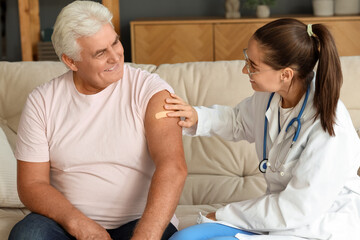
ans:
(319, 195)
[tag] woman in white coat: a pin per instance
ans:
(307, 146)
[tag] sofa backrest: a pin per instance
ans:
(219, 171)
(350, 91)
(17, 80)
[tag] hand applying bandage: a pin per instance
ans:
(177, 107)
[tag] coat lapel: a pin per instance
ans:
(272, 117)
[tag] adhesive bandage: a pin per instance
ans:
(161, 114)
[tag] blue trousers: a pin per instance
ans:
(208, 231)
(38, 227)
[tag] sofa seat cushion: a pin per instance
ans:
(8, 218)
(220, 171)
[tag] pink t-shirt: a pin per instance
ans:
(96, 143)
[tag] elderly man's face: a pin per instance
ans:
(102, 61)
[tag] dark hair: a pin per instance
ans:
(286, 43)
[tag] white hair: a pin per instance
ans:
(78, 19)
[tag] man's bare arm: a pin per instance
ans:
(164, 138)
(40, 197)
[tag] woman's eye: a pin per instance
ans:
(252, 67)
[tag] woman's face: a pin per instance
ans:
(263, 78)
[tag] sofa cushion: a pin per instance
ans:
(8, 218)
(8, 190)
(10, 134)
(17, 80)
(351, 88)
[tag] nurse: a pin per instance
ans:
(307, 146)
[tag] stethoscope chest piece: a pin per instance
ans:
(263, 165)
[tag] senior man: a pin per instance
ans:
(93, 161)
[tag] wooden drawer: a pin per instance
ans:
(231, 39)
(175, 43)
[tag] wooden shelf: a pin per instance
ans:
(171, 40)
(29, 21)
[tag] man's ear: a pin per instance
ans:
(69, 62)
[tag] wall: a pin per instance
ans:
(133, 9)
(2, 29)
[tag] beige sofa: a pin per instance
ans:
(219, 172)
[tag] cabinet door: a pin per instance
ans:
(232, 38)
(172, 43)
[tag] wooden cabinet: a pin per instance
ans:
(172, 43)
(157, 41)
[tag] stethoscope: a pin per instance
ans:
(264, 164)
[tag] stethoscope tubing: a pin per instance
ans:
(263, 163)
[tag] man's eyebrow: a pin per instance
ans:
(99, 51)
(104, 49)
(117, 38)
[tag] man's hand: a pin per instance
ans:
(87, 229)
(39, 196)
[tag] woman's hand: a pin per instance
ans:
(211, 216)
(181, 109)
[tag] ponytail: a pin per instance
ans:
(328, 78)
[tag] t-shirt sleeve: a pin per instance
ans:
(148, 86)
(32, 144)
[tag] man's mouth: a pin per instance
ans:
(111, 69)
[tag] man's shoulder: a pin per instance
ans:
(49, 89)
(142, 77)
(54, 84)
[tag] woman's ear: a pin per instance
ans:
(287, 74)
(69, 62)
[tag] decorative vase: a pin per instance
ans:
(232, 8)
(347, 7)
(262, 11)
(323, 7)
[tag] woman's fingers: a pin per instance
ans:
(173, 100)
(177, 107)
(176, 96)
(179, 114)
